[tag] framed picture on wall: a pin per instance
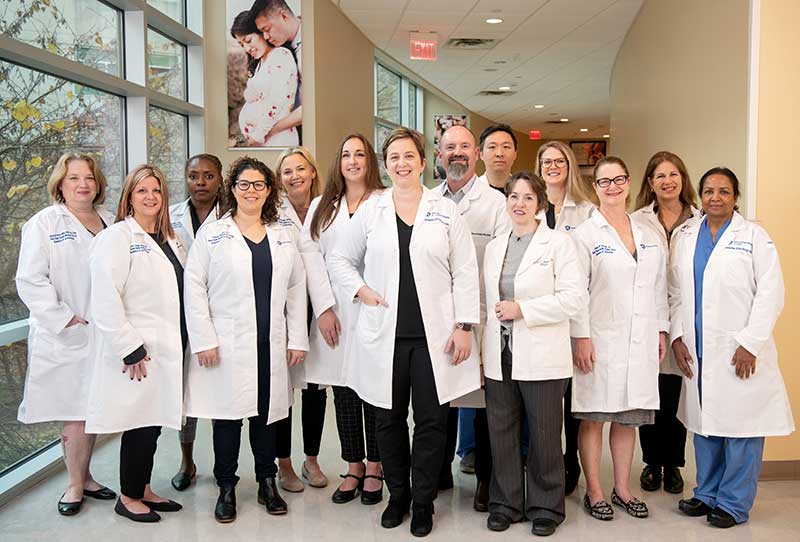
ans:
(440, 125)
(264, 98)
(588, 152)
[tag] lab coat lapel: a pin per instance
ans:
(536, 248)
(737, 223)
(422, 211)
(142, 237)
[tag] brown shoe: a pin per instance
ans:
(316, 478)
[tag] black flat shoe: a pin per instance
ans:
(600, 510)
(372, 497)
(481, 501)
(69, 508)
(225, 510)
(183, 480)
(693, 507)
(445, 481)
(543, 526)
(102, 494)
(498, 521)
(634, 507)
(421, 519)
(720, 518)
(268, 496)
(650, 479)
(343, 496)
(150, 517)
(168, 506)
(394, 514)
(673, 481)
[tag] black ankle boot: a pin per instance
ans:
(268, 496)
(421, 519)
(225, 511)
(394, 513)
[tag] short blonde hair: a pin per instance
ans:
(305, 153)
(137, 175)
(60, 171)
(575, 186)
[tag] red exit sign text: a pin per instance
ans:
(423, 46)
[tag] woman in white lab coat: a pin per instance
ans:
(203, 175)
(53, 282)
(619, 339)
(299, 182)
(568, 207)
(666, 200)
(245, 307)
(532, 290)
(726, 293)
(354, 178)
(137, 304)
(409, 259)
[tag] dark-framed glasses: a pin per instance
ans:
(244, 186)
(558, 162)
(605, 182)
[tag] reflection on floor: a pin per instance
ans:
(312, 516)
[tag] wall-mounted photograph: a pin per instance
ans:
(264, 73)
(588, 153)
(441, 123)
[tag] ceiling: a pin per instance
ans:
(556, 53)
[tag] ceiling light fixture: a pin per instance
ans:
(494, 20)
(606, 136)
(584, 129)
(564, 120)
(538, 106)
(504, 88)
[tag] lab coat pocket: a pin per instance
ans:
(550, 346)
(72, 338)
(370, 321)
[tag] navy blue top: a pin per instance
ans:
(702, 252)
(262, 285)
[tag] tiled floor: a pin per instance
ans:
(312, 516)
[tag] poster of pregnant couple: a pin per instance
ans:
(264, 73)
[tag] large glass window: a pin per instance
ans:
(169, 148)
(174, 9)
(387, 96)
(166, 65)
(86, 31)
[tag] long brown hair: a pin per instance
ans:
(646, 195)
(336, 187)
(269, 211)
(138, 174)
(575, 185)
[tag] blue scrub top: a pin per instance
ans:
(702, 252)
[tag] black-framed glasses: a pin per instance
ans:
(605, 182)
(559, 162)
(244, 186)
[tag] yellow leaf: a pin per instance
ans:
(52, 47)
(26, 124)
(27, 166)
(10, 229)
(46, 2)
(20, 111)
(59, 125)
(70, 95)
(9, 165)
(36, 161)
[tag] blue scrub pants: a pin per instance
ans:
(466, 431)
(727, 473)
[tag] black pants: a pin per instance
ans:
(227, 441)
(571, 427)
(314, 399)
(664, 442)
(412, 379)
(507, 403)
(354, 420)
(136, 451)
(483, 451)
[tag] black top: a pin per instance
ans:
(409, 315)
(500, 189)
(262, 285)
(195, 218)
(550, 214)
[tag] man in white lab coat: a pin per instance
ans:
(485, 212)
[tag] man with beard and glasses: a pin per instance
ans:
(485, 212)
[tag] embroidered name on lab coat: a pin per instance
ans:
(136, 248)
(217, 239)
(741, 246)
(568, 227)
(177, 224)
(63, 236)
(644, 246)
(603, 249)
(280, 243)
(433, 216)
(285, 222)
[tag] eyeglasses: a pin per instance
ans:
(605, 182)
(244, 186)
(559, 162)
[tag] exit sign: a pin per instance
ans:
(423, 46)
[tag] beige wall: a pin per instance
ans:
(777, 193)
(680, 84)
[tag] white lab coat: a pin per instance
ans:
(571, 216)
(325, 365)
(742, 298)
(626, 312)
(53, 282)
(484, 209)
(446, 278)
(221, 313)
(648, 218)
(547, 288)
(318, 284)
(180, 215)
(135, 302)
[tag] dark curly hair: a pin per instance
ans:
(269, 211)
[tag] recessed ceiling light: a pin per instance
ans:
(564, 120)
(494, 20)
(606, 136)
(584, 129)
(538, 106)
(504, 88)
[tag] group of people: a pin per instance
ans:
(532, 297)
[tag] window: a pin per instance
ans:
(86, 31)
(169, 148)
(174, 9)
(166, 65)
(387, 96)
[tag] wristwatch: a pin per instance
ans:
(465, 327)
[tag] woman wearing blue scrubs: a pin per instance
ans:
(726, 292)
